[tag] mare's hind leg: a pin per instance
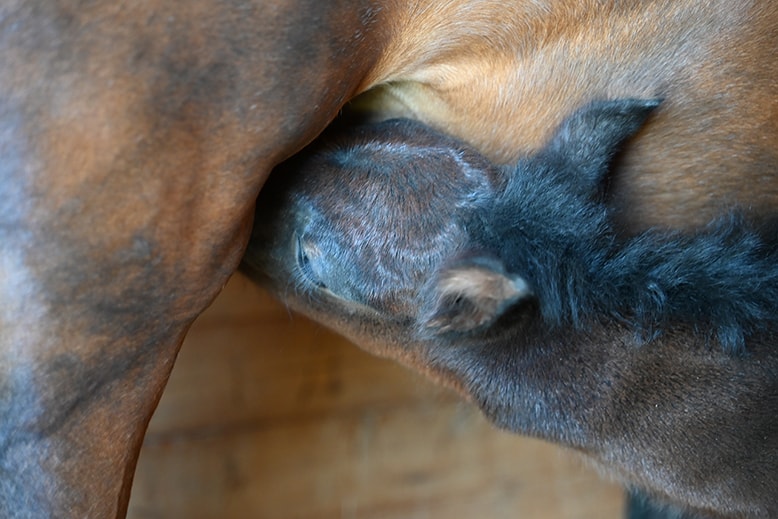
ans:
(122, 214)
(99, 281)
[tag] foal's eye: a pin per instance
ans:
(304, 264)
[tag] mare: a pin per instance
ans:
(136, 135)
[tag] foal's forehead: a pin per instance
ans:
(400, 164)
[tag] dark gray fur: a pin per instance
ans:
(652, 354)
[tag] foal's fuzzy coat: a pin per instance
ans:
(653, 354)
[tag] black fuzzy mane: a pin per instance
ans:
(722, 281)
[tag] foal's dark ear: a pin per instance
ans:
(472, 294)
(586, 142)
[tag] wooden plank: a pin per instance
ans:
(268, 415)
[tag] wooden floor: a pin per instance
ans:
(270, 416)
